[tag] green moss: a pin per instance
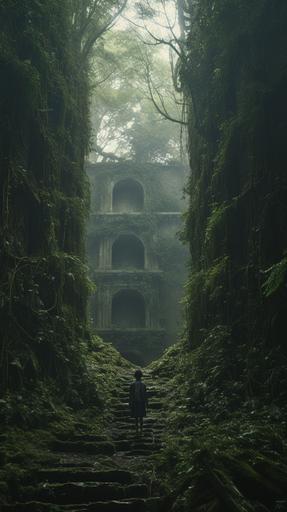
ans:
(44, 204)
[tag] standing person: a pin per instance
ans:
(138, 400)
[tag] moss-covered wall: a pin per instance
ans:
(162, 184)
(43, 200)
(235, 78)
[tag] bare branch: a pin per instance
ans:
(97, 84)
(161, 110)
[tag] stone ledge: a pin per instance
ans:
(139, 330)
(124, 271)
(136, 214)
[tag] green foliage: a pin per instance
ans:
(215, 442)
(230, 131)
(44, 202)
(276, 277)
(32, 419)
(237, 211)
(215, 221)
(44, 61)
(125, 122)
(106, 367)
(215, 275)
(227, 379)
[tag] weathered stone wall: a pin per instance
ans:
(133, 247)
(162, 185)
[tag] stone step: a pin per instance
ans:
(30, 506)
(76, 475)
(91, 438)
(114, 506)
(121, 413)
(79, 482)
(130, 422)
(124, 395)
(140, 444)
(124, 408)
(72, 465)
(137, 452)
(123, 429)
(118, 406)
(69, 493)
(155, 404)
(132, 437)
(104, 448)
(150, 385)
(153, 417)
(132, 434)
(133, 505)
(149, 437)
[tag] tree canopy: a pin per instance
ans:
(130, 76)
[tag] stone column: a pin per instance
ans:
(104, 308)
(99, 306)
(148, 313)
(109, 196)
(106, 298)
(105, 254)
(154, 309)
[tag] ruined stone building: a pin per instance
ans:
(137, 262)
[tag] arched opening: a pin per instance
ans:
(128, 252)
(128, 309)
(128, 196)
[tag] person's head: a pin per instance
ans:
(138, 374)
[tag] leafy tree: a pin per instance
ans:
(124, 119)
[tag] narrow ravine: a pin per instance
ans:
(109, 472)
(143, 221)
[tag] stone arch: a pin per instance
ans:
(128, 196)
(128, 309)
(128, 252)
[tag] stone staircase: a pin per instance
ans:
(113, 472)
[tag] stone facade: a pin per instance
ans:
(136, 260)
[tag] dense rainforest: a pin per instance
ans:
(222, 385)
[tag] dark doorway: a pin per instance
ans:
(128, 196)
(128, 253)
(128, 309)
